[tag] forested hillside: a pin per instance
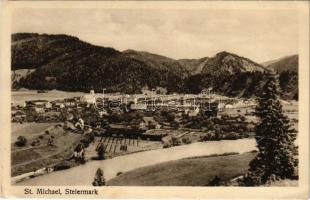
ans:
(66, 63)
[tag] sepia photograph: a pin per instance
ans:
(160, 96)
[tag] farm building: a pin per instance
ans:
(145, 123)
(138, 106)
(149, 123)
(210, 109)
(228, 106)
(70, 102)
(18, 115)
(126, 130)
(89, 98)
(38, 104)
(193, 113)
(58, 104)
(154, 135)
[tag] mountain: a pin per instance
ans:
(44, 62)
(158, 62)
(233, 75)
(66, 63)
(288, 63)
(225, 62)
(194, 66)
(222, 63)
(287, 68)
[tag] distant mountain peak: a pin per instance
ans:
(287, 63)
(223, 53)
(226, 62)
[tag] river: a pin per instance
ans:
(83, 175)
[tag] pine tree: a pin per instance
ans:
(99, 178)
(275, 139)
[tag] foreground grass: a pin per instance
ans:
(186, 172)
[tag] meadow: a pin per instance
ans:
(19, 97)
(197, 171)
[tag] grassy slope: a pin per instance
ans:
(186, 172)
(28, 129)
(28, 158)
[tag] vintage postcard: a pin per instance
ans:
(155, 99)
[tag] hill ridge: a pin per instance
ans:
(65, 62)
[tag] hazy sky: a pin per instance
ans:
(260, 35)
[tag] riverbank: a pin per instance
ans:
(136, 160)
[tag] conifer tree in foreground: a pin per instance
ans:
(99, 178)
(275, 140)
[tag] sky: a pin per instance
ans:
(260, 35)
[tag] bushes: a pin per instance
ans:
(167, 144)
(210, 136)
(21, 141)
(173, 141)
(216, 181)
(119, 173)
(232, 136)
(87, 139)
(35, 142)
(186, 140)
(225, 123)
(62, 166)
(217, 135)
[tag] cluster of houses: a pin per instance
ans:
(44, 108)
(190, 105)
(145, 127)
(136, 103)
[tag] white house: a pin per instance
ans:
(229, 106)
(48, 105)
(194, 112)
(90, 99)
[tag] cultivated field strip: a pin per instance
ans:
(117, 145)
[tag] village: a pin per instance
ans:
(71, 130)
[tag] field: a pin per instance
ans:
(112, 146)
(19, 97)
(32, 157)
(186, 172)
(28, 129)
